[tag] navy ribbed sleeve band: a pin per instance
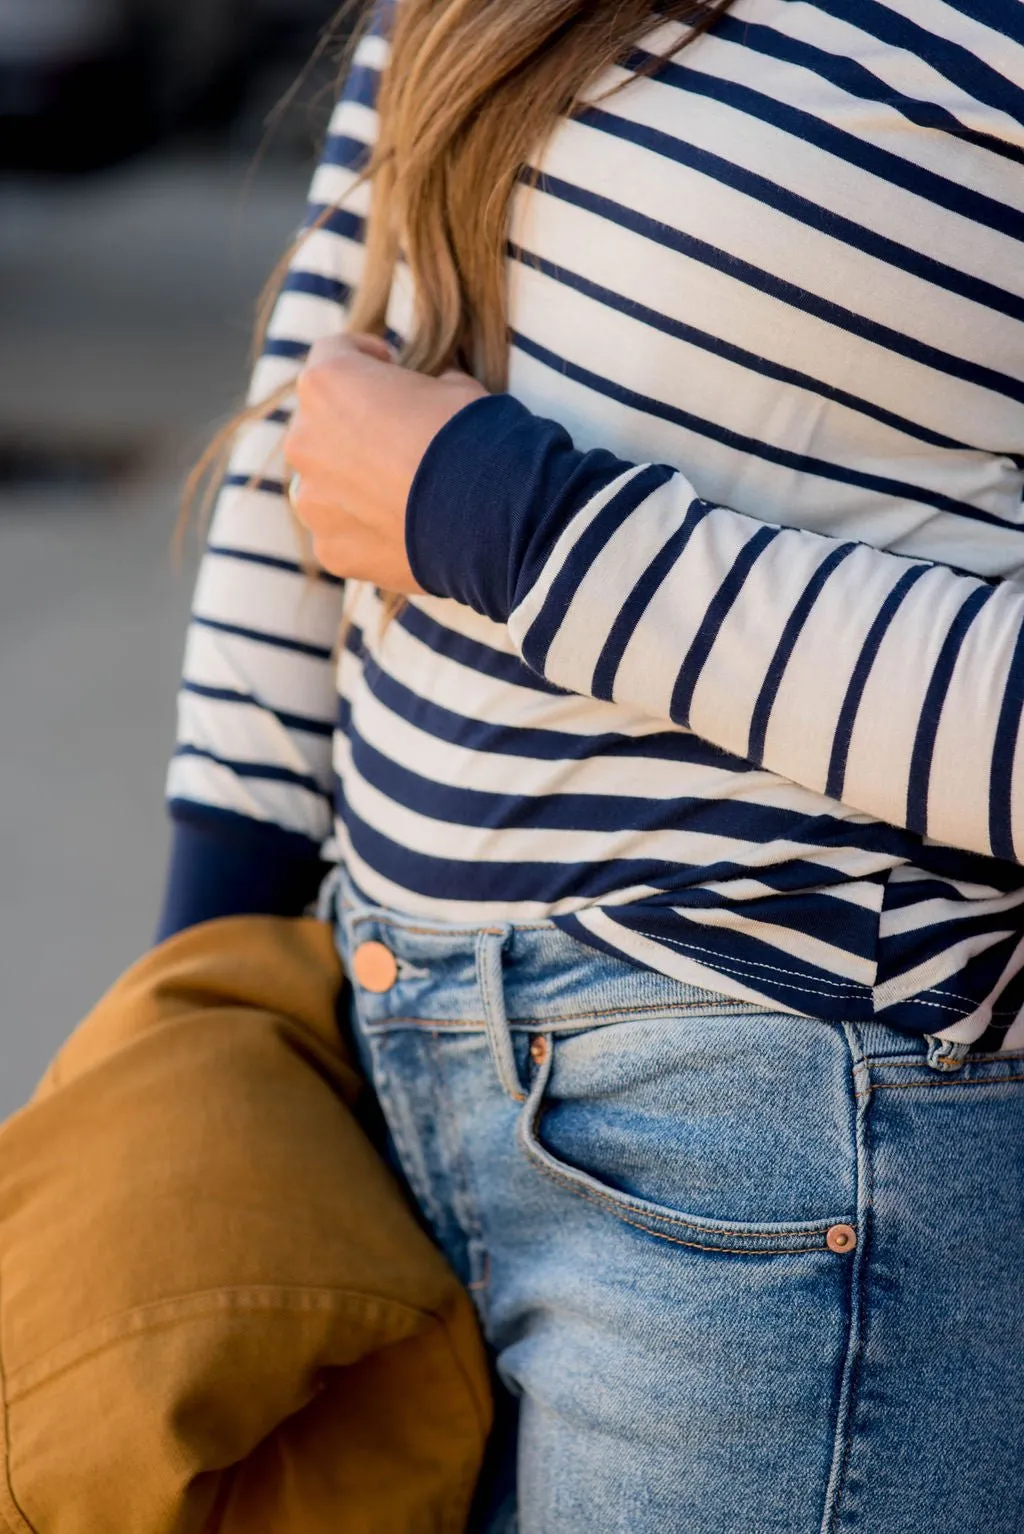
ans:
(224, 864)
(494, 488)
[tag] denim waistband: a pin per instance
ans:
(448, 974)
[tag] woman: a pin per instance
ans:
(676, 810)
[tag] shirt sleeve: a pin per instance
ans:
(250, 783)
(892, 684)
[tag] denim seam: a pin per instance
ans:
(677, 1219)
(659, 1235)
(847, 1405)
(648, 1009)
(481, 1283)
(468, 1217)
(885, 1062)
(443, 932)
(945, 1081)
(499, 1039)
(654, 1008)
(395, 1119)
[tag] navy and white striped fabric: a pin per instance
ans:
(725, 671)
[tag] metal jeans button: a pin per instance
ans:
(840, 1238)
(374, 967)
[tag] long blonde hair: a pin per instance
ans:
(471, 93)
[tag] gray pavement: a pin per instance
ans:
(125, 313)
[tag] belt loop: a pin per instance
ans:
(489, 947)
(945, 1054)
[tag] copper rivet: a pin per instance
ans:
(538, 1050)
(841, 1238)
(375, 967)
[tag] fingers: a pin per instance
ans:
(315, 515)
(328, 348)
(374, 346)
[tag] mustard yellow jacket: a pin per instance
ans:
(217, 1313)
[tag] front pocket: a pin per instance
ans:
(730, 1133)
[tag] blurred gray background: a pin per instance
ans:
(135, 233)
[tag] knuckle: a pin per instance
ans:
(329, 556)
(308, 383)
(327, 347)
(322, 521)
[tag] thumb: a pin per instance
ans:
(327, 348)
(373, 346)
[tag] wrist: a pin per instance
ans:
(224, 864)
(461, 506)
(495, 489)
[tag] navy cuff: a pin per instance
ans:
(496, 485)
(224, 864)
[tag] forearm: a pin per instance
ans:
(891, 684)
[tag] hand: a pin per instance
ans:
(360, 428)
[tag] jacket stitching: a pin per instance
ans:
(189, 1307)
(10, 1508)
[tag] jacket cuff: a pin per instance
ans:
(224, 864)
(494, 487)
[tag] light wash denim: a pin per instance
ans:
(639, 1182)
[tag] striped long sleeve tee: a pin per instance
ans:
(722, 667)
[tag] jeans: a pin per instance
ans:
(740, 1272)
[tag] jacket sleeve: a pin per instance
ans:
(891, 684)
(249, 785)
